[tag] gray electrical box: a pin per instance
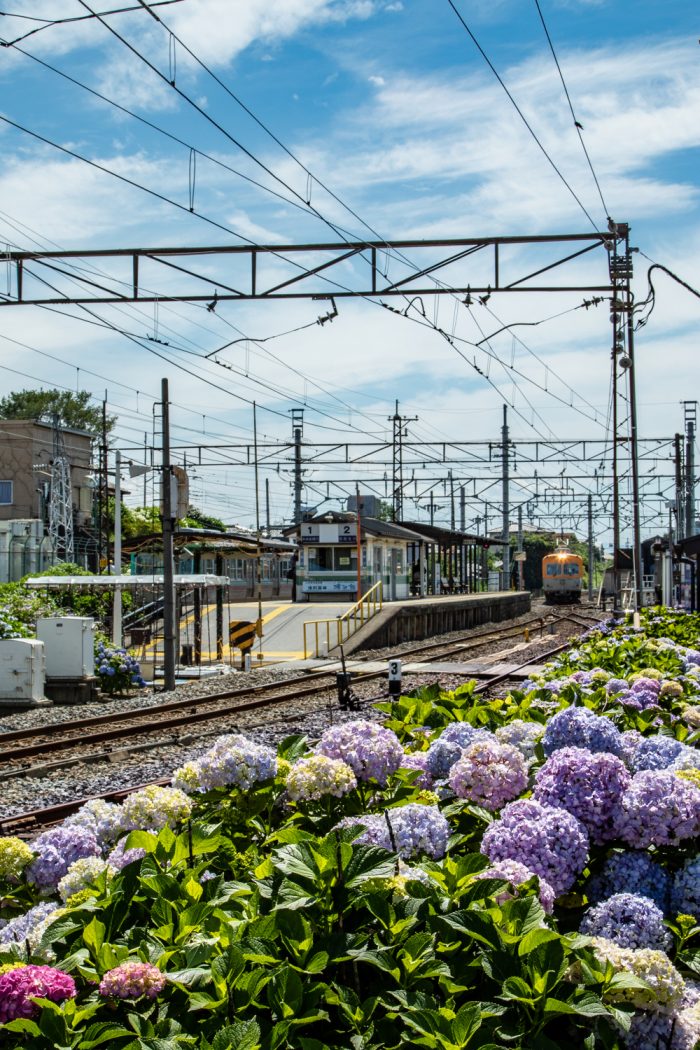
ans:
(21, 672)
(69, 643)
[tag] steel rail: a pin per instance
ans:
(32, 820)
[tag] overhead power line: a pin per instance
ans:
(577, 124)
(522, 116)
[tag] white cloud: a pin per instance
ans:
(377, 81)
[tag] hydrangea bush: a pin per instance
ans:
(117, 670)
(467, 872)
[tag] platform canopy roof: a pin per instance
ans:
(129, 582)
(449, 537)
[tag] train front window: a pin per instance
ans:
(571, 569)
(553, 569)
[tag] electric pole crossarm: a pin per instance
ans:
(311, 271)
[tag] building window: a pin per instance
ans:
(345, 560)
(320, 559)
(5, 493)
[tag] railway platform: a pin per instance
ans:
(417, 618)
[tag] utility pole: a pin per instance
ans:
(258, 547)
(399, 432)
(60, 498)
(591, 562)
(117, 600)
(170, 629)
(505, 459)
(634, 451)
(267, 507)
(462, 510)
(690, 409)
(521, 567)
(484, 550)
(452, 500)
(617, 305)
(680, 486)
(297, 430)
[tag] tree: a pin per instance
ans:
(73, 410)
(197, 519)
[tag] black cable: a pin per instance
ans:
(214, 123)
(50, 23)
(651, 296)
(213, 222)
(156, 127)
(519, 112)
(577, 123)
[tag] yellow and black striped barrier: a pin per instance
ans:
(241, 635)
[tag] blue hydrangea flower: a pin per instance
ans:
(655, 752)
(579, 727)
(28, 928)
(587, 785)
(685, 892)
(628, 920)
(371, 751)
(633, 872)
(415, 830)
(548, 841)
(448, 747)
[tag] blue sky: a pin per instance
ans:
(389, 103)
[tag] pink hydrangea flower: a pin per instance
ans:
(18, 987)
(132, 980)
(489, 773)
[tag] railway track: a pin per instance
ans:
(19, 747)
(29, 822)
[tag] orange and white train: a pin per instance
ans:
(562, 574)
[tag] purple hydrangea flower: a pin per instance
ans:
(633, 872)
(102, 818)
(587, 785)
(489, 774)
(19, 986)
(523, 735)
(685, 891)
(448, 747)
(120, 856)
(548, 841)
(418, 760)
(579, 727)
(516, 874)
(628, 920)
(616, 685)
(57, 849)
(655, 752)
(415, 829)
(371, 751)
(132, 980)
(23, 928)
(658, 809)
(232, 761)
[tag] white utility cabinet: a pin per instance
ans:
(22, 672)
(69, 643)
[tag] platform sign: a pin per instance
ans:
(317, 532)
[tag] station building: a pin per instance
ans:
(409, 558)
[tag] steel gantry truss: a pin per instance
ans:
(372, 270)
(213, 273)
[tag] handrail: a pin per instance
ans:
(346, 625)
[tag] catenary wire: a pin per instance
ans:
(577, 124)
(522, 116)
